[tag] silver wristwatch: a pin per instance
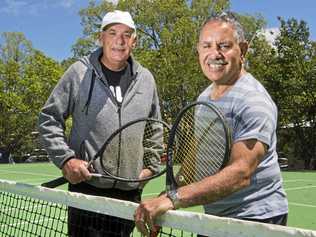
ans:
(173, 196)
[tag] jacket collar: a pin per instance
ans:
(94, 60)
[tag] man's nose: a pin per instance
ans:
(214, 53)
(120, 40)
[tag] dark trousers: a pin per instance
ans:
(277, 220)
(83, 223)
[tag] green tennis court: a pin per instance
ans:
(300, 188)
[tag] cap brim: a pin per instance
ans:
(117, 22)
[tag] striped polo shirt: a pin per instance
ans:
(251, 114)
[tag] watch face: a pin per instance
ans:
(173, 196)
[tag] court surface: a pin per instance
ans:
(299, 186)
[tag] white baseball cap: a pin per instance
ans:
(118, 16)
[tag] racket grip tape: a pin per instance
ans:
(55, 182)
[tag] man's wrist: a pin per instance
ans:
(174, 197)
(65, 161)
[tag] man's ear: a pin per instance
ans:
(99, 39)
(243, 48)
(134, 42)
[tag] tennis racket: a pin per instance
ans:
(127, 151)
(198, 146)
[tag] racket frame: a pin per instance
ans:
(118, 178)
(62, 180)
(171, 183)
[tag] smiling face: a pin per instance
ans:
(118, 41)
(220, 54)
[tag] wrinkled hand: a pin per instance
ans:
(76, 171)
(143, 174)
(148, 210)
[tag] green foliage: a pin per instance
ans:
(83, 47)
(297, 96)
(66, 63)
(167, 32)
(293, 64)
(287, 69)
(25, 85)
(15, 47)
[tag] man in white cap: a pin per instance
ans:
(100, 92)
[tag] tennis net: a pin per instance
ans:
(28, 210)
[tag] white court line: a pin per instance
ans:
(298, 188)
(31, 181)
(287, 189)
(298, 180)
(290, 203)
(27, 173)
(301, 204)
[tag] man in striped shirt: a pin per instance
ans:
(250, 186)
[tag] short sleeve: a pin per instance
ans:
(256, 118)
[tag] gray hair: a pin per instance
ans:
(228, 17)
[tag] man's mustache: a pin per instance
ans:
(216, 62)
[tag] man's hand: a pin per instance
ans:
(76, 171)
(143, 174)
(148, 210)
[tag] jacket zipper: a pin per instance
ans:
(119, 144)
(119, 106)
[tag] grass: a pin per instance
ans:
(301, 190)
(299, 186)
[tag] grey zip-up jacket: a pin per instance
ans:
(87, 99)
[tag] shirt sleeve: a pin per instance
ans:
(256, 118)
(52, 119)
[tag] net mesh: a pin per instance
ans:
(25, 216)
(27, 210)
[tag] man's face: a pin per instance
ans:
(220, 55)
(118, 42)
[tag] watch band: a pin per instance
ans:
(173, 196)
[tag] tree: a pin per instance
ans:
(26, 79)
(167, 32)
(297, 95)
(287, 69)
(15, 47)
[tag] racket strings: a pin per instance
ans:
(211, 139)
(200, 146)
(127, 154)
(190, 170)
(193, 170)
(154, 150)
(192, 148)
(210, 136)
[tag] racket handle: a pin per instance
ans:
(55, 182)
(97, 175)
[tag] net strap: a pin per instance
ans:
(189, 221)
